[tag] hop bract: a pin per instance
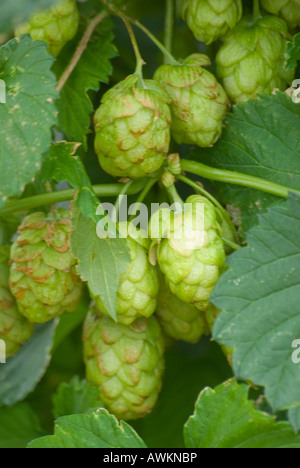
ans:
(251, 61)
(138, 286)
(126, 363)
(132, 128)
(198, 101)
(43, 277)
(289, 10)
(56, 26)
(192, 255)
(211, 19)
(14, 328)
(178, 319)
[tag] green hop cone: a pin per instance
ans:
(179, 320)
(252, 59)
(14, 328)
(132, 128)
(209, 20)
(198, 101)
(126, 363)
(138, 286)
(289, 10)
(56, 26)
(43, 275)
(191, 255)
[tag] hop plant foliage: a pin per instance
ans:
(179, 320)
(14, 328)
(138, 287)
(289, 10)
(192, 255)
(252, 59)
(125, 362)
(43, 275)
(132, 128)
(56, 26)
(209, 20)
(198, 101)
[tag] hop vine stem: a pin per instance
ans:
(169, 27)
(236, 178)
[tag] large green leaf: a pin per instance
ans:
(96, 430)
(259, 296)
(294, 418)
(101, 261)
(261, 138)
(28, 114)
(19, 425)
(93, 68)
(225, 418)
(14, 13)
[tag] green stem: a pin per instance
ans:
(143, 28)
(158, 44)
(143, 195)
(231, 244)
(124, 191)
(201, 190)
(139, 61)
(236, 178)
(169, 27)
(256, 10)
(174, 196)
(102, 191)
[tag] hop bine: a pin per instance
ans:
(132, 128)
(198, 101)
(126, 363)
(56, 26)
(252, 59)
(43, 275)
(191, 256)
(289, 10)
(14, 328)
(210, 20)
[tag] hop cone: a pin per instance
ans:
(192, 256)
(138, 287)
(14, 328)
(251, 62)
(178, 319)
(56, 26)
(42, 276)
(211, 19)
(125, 362)
(198, 101)
(133, 128)
(289, 10)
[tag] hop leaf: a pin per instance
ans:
(126, 363)
(56, 26)
(252, 60)
(133, 128)
(138, 287)
(209, 20)
(43, 278)
(198, 101)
